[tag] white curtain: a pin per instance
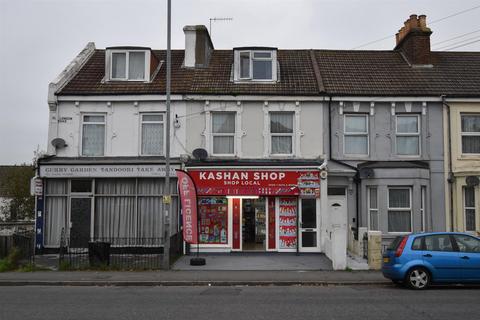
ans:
(55, 211)
(115, 218)
(136, 65)
(281, 122)
(152, 138)
(399, 221)
(223, 129)
(470, 222)
(223, 145)
(407, 124)
(408, 145)
(118, 65)
(471, 144)
(356, 145)
(281, 145)
(355, 124)
(93, 139)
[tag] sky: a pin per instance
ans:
(38, 38)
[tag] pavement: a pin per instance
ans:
(191, 278)
(258, 262)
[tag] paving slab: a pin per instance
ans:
(258, 262)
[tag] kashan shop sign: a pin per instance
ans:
(104, 171)
(256, 182)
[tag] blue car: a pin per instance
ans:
(418, 260)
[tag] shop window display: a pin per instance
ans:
(213, 220)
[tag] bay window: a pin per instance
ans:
(356, 134)
(281, 132)
(399, 209)
(93, 135)
(223, 133)
(408, 135)
(373, 208)
(152, 127)
(470, 133)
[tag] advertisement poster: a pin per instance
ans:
(213, 220)
(287, 225)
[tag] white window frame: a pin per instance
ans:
(465, 208)
(408, 134)
(356, 134)
(141, 131)
(400, 209)
(233, 135)
(251, 53)
(127, 61)
(82, 123)
(423, 203)
(370, 209)
(467, 134)
(291, 135)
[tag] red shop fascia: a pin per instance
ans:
(220, 194)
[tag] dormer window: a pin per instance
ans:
(128, 65)
(255, 64)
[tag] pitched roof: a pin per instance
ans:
(332, 72)
(386, 73)
(296, 77)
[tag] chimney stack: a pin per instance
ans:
(413, 40)
(198, 46)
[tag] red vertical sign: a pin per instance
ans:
(271, 224)
(188, 199)
(236, 224)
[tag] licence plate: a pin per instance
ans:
(386, 260)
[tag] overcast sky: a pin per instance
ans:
(38, 38)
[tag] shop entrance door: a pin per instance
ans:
(309, 239)
(254, 224)
(80, 220)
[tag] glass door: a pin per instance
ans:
(308, 226)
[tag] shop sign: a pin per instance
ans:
(188, 199)
(103, 171)
(256, 182)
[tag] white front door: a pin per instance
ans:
(309, 225)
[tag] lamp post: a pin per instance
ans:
(166, 190)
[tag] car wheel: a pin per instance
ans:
(418, 278)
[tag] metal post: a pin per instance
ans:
(166, 192)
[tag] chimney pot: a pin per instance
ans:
(422, 21)
(413, 22)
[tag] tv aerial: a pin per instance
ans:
(215, 20)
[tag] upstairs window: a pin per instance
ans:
(356, 134)
(471, 133)
(281, 131)
(223, 133)
(93, 135)
(152, 134)
(408, 135)
(255, 65)
(129, 65)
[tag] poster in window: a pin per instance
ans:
(287, 223)
(213, 212)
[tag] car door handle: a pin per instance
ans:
(465, 258)
(428, 255)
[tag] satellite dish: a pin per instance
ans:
(200, 154)
(367, 173)
(472, 181)
(59, 143)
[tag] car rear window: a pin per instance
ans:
(417, 244)
(396, 242)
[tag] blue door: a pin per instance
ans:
(442, 258)
(469, 250)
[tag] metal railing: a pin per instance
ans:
(115, 253)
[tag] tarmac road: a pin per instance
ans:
(215, 303)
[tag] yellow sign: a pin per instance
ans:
(167, 199)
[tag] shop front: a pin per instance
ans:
(258, 209)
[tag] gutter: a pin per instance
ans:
(450, 170)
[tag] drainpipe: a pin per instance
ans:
(450, 171)
(357, 176)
